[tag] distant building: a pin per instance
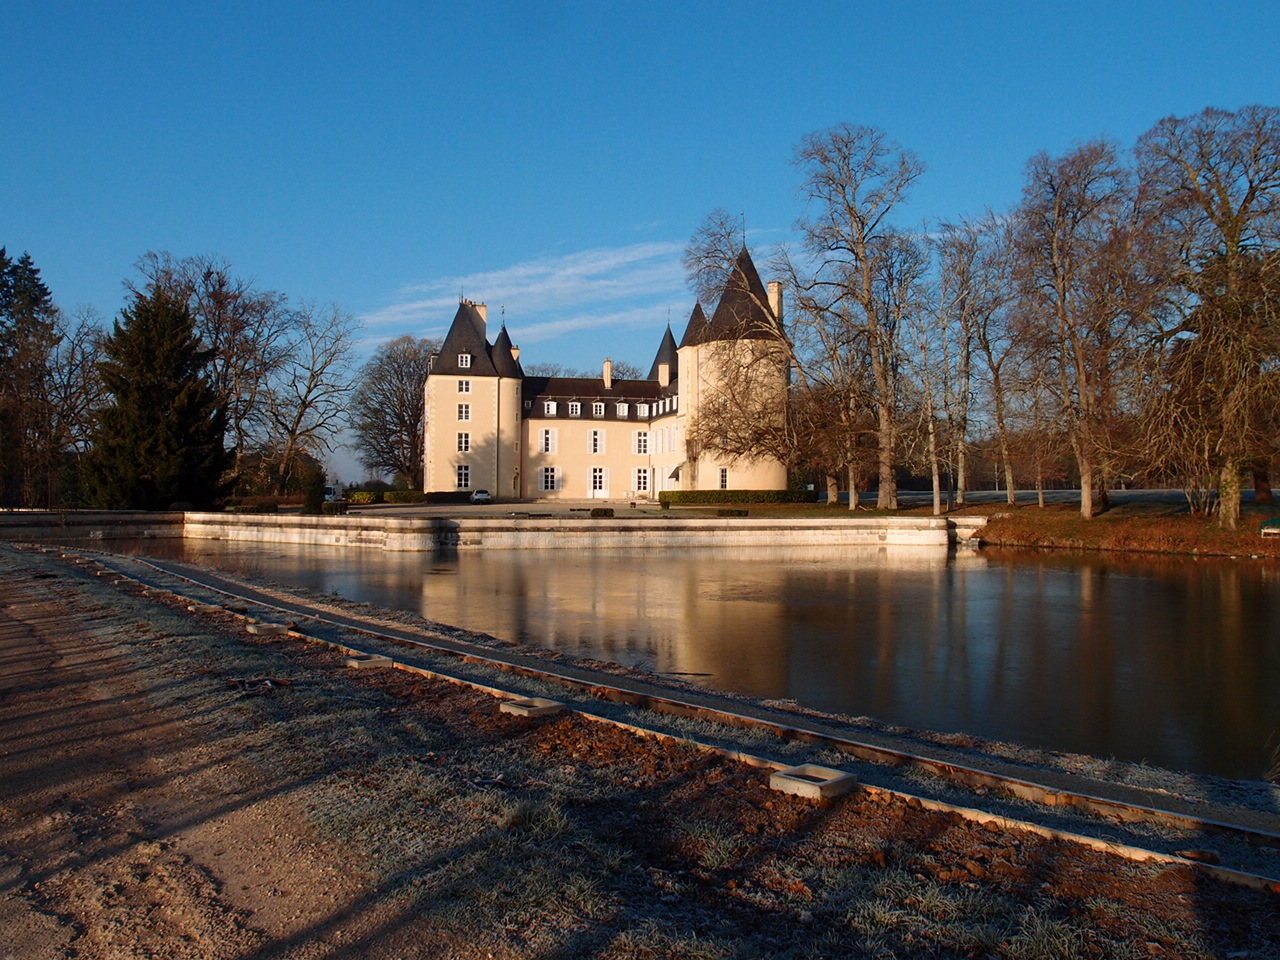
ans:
(490, 427)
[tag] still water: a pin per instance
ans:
(1175, 662)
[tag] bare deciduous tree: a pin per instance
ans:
(847, 293)
(250, 332)
(386, 411)
(1081, 252)
(305, 402)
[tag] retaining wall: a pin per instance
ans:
(89, 525)
(503, 533)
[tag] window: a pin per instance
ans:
(642, 480)
(623, 410)
(597, 409)
(548, 441)
(464, 361)
(596, 444)
(641, 442)
(464, 443)
(528, 404)
(549, 408)
(724, 478)
(464, 476)
(464, 386)
(575, 408)
(675, 401)
(549, 479)
(598, 482)
(642, 411)
(464, 411)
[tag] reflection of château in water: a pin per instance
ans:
(490, 427)
(1169, 660)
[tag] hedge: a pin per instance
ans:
(365, 496)
(404, 496)
(333, 508)
(268, 506)
(738, 496)
(602, 511)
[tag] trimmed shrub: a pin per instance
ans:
(334, 508)
(265, 506)
(365, 496)
(407, 496)
(602, 511)
(729, 512)
(738, 496)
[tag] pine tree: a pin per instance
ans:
(28, 450)
(160, 440)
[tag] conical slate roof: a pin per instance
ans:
(743, 312)
(466, 336)
(504, 360)
(698, 329)
(667, 353)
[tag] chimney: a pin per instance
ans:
(775, 299)
(483, 311)
(664, 374)
(608, 374)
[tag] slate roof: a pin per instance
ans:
(588, 390)
(667, 353)
(743, 312)
(504, 360)
(466, 336)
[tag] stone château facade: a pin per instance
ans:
(490, 427)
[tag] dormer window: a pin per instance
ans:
(642, 411)
(464, 361)
(575, 408)
(597, 409)
(549, 408)
(624, 410)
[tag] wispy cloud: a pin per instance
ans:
(548, 297)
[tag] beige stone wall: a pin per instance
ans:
(491, 429)
(708, 371)
(580, 448)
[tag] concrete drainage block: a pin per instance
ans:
(812, 781)
(366, 661)
(267, 629)
(532, 707)
(203, 608)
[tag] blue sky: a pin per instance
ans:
(550, 159)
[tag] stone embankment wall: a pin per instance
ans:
(430, 533)
(90, 525)
(495, 533)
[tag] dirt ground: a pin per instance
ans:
(171, 787)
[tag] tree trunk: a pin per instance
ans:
(1086, 488)
(853, 487)
(1262, 482)
(833, 490)
(1229, 497)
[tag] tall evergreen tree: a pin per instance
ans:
(28, 451)
(160, 440)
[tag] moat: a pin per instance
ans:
(1171, 662)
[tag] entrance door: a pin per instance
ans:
(599, 483)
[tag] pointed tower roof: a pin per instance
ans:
(667, 353)
(698, 329)
(743, 312)
(504, 360)
(466, 336)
